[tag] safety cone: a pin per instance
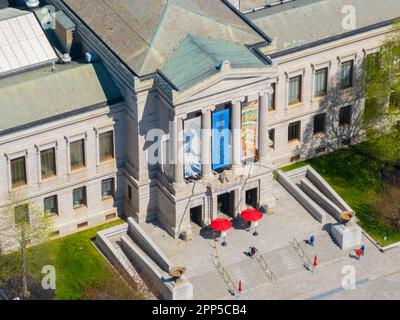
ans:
(315, 262)
(240, 289)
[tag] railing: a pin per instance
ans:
(302, 254)
(221, 270)
(264, 265)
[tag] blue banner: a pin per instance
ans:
(220, 143)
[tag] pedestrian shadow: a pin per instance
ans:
(353, 256)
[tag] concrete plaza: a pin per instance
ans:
(289, 220)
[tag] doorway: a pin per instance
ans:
(225, 203)
(252, 197)
(196, 215)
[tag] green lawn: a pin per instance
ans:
(356, 178)
(78, 264)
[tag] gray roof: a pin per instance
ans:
(32, 97)
(198, 58)
(303, 22)
(144, 33)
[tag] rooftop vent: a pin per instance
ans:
(32, 3)
(66, 58)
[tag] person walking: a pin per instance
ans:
(312, 239)
(359, 253)
(363, 248)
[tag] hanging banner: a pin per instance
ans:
(220, 143)
(192, 137)
(249, 130)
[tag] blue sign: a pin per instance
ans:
(220, 143)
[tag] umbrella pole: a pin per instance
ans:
(255, 229)
(224, 236)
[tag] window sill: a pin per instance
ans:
(294, 142)
(295, 104)
(77, 170)
(320, 96)
(49, 178)
(107, 199)
(80, 208)
(319, 135)
(107, 160)
(19, 187)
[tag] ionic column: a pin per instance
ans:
(236, 134)
(206, 140)
(177, 140)
(263, 138)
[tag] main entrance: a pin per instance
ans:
(225, 203)
(252, 197)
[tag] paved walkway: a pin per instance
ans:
(294, 281)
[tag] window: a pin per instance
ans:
(77, 149)
(319, 123)
(18, 172)
(106, 143)
(48, 163)
(51, 205)
(346, 75)
(321, 82)
(295, 90)
(345, 116)
(82, 225)
(79, 197)
(107, 189)
(294, 131)
(129, 192)
(271, 134)
(271, 98)
(21, 214)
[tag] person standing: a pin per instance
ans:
(312, 239)
(363, 248)
(359, 253)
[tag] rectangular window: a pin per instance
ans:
(346, 75)
(48, 163)
(77, 151)
(129, 192)
(294, 131)
(21, 214)
(79, 197)
(51, 205)
(295, 90)
(272, 98)
(319, 123)
(106, 143)
(271, 134)
(345, 116)
(18, 172)
(321, 82)
(107, 189)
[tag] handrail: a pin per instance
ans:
(264, 265)
(220, 268)
(302, 254)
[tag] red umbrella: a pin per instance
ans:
(252, 215)
(221, 224)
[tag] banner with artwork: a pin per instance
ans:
(220, 139)
(249, 130)
(192, 151)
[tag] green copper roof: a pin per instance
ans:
(41, 94)
(198, 58)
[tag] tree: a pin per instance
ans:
(381, 84)
(23, 223)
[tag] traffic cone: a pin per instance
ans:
(240, 289)
(315, 262)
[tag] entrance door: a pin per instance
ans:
(252, 197)
(226, 204)
(196, 215)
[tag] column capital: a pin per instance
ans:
(181, 116)
(207, 109)
(238, 100)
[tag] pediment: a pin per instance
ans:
(223, 82)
